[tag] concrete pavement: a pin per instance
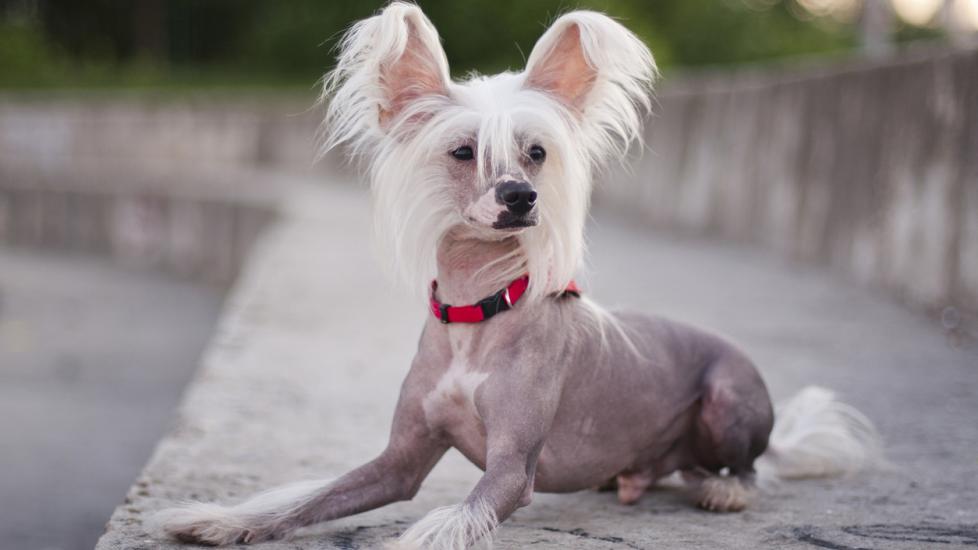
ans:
(301, 378)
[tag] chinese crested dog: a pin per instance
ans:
(483, 185)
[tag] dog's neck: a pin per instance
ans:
(469, 269)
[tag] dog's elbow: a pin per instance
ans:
(408, 487)
(408, 491)
(520, 486)
(511, 475)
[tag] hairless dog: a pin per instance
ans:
(484, 184)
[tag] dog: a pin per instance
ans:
(483, 185)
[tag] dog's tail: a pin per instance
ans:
(815, 435)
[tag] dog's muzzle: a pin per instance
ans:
(519, 198)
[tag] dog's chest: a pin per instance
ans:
(450, 406)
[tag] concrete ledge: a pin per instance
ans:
(300, 381)
(869, 168)
(302, 376)
(204, 130)
(199, 225)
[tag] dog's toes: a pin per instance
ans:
(629, 495)
(631, 487)
(722, 494)
(206, 524)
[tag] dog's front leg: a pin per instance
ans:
(506, 485)
(395, 475)
(517, 416)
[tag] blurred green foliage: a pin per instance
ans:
(154, 43)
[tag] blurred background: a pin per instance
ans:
(233, 43)
(143, 143)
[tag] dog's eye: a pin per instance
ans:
(537, 153)
(463, 153)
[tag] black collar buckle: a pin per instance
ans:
(496, 303)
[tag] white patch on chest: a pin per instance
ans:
(451, 405)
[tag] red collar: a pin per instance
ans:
(489, 306)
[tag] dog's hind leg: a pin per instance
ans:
(730, 432)
(720, 493)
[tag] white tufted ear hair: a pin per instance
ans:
(601, 72)
(387, 66)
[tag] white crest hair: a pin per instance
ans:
(412, 194)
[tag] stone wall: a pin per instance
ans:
(139, 219)
(199, 130)
(871, 169)
(182, 184)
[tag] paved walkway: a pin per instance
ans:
(302, 376)
(93, 358)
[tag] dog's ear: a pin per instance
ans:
(416, 66)
(386, 64)
(598, 69)
(559, 66)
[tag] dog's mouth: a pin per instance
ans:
(510, 222)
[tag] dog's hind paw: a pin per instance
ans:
(631, 487)
(723, 494)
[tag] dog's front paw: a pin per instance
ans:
(213, 525)
(449, 528)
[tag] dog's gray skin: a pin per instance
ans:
(556, 409)
(562, 411)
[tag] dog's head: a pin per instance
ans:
(505, 156)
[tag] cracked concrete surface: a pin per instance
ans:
(302, 374)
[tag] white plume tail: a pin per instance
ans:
(816, 435)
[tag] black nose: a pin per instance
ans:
(518, 196)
